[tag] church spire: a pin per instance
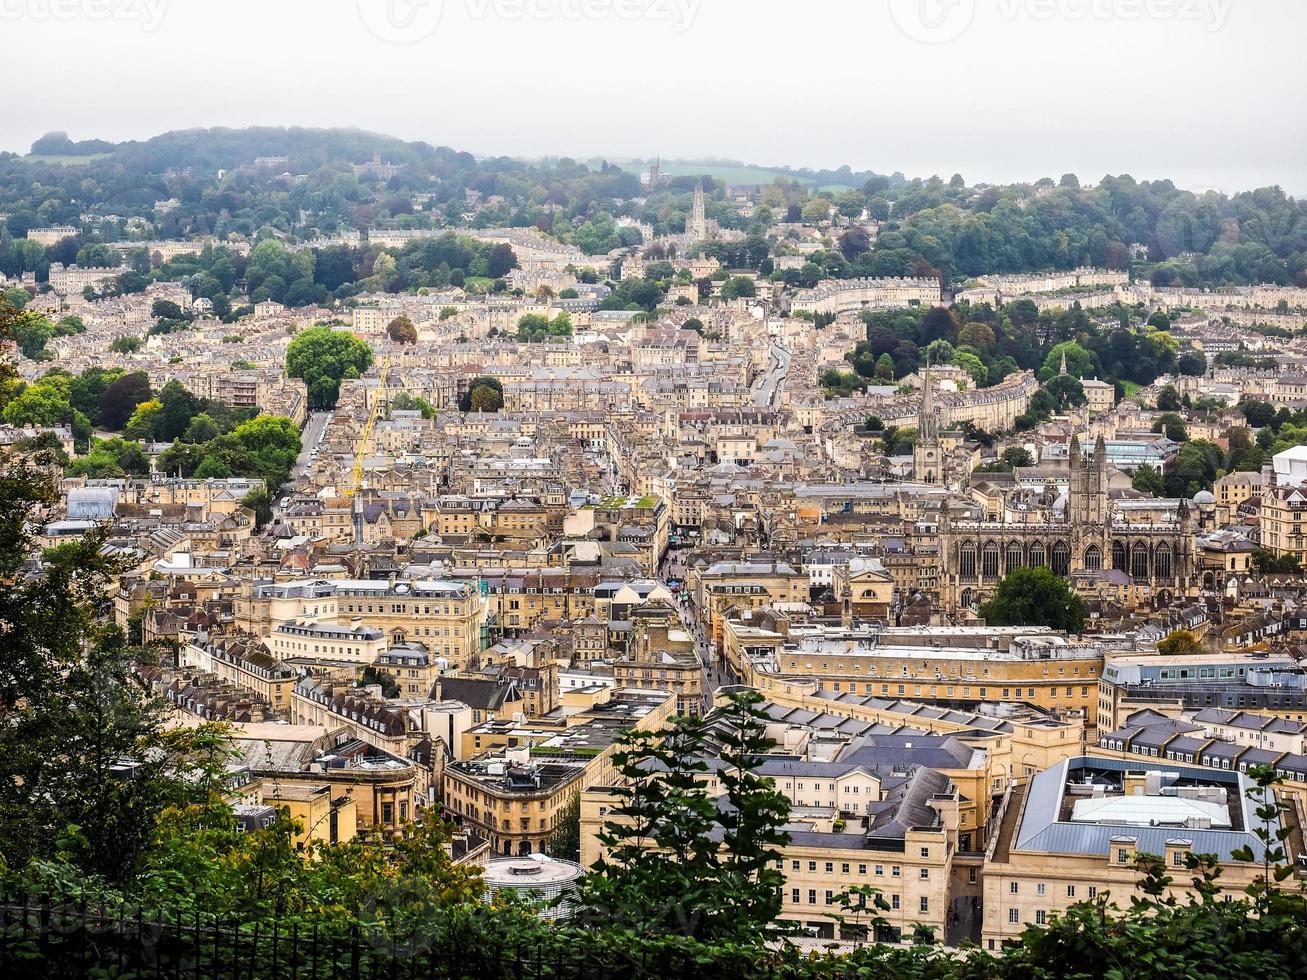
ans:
(928, 417)
(1062, 369)
(927, 402)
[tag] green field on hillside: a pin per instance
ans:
(736, 174)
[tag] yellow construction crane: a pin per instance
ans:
(367, 432)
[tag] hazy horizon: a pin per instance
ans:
(1200, 92)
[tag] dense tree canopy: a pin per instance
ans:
(324, 357)
(1035, 597)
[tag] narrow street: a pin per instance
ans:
(310, 437)
(768, 390)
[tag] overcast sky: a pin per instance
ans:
(1206, 92)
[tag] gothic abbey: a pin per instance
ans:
(1082, 534)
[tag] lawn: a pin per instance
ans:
(739, 175)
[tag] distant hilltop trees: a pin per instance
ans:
(57, 143)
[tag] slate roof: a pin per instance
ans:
(1041, 828)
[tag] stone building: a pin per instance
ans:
(1080, 535)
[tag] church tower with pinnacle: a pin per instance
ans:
(927, 455)
(1087, 507)
(697, 225)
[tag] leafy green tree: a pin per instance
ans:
(884, 368)
(402, 331)
(535, 327)
(1194, 468)
(324, 357)
(371, 675)
(1179, 643)
(1269, 563)
(1017, 456)
(484, 394)
(202, 428)
(1148, 479)
(1257, 413)
(1066, 392)
(177, 407)
(259, 501)
(1168, 399)
(673, 860)
(405, 402)
(501, 261)
(213, 468)
(125, 345)
(1172, 426)
(977, 335)
(69, 326)
(565, 839)
(166, 309)
(114, 457)
(752, 820)
(1192, 363)
(737, 287)
(38, 405)
(119, 399)
(88, 766)
(141, 426)
(1035, 597)
(31, 332)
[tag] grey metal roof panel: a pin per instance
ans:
(1041, 830)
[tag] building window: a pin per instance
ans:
(1139, 561)
(1012, 887)
(1014, 916)
(1061, 563)
(1039, 889)
(1070, 891)
(925, 874)
(1093, 891)
(967, 560)
(812, 896)
(1162, 561)
(1041, 917)
(1013, 556)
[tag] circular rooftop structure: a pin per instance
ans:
(537, 877)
